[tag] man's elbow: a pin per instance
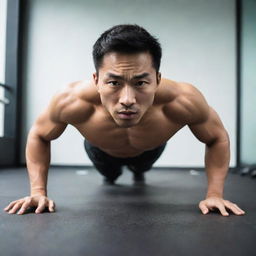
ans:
(221, 138)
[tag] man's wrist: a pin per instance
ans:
(214, 194)
(215, 188)
(38, 191)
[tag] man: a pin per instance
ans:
(126, 114)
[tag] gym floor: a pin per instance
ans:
(159, 218)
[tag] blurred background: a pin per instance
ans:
(44, 45)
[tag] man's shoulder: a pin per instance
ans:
(84, 90)
(183, 102)
(74, 103)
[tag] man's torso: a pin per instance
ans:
(164, 118)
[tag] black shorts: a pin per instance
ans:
(111, 167)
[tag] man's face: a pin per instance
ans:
(127, 84)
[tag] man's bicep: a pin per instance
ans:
(46, 128)
(49, 125)
(210, 130)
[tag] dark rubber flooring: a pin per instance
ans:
(160, 218)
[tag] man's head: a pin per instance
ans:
(127, 60)
(126, 39)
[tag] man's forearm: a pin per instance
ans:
(38, 161)
(217, 159)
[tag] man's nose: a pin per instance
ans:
(127, 96)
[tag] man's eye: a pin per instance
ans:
(141, 83)
(114, 83)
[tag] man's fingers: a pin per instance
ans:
(212, 203)
(203, 208)
(206, 207)
(41, 205)
(23, 204)
(24, 207)
(222, 209)
(15, 207)
(242, 211)
(234, 208)
(51, 206)
(10, 205)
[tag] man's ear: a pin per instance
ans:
(95, 78)
(158, 78)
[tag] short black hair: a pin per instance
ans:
(127, 38)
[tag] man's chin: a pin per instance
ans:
(126, 123)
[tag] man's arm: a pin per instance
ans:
(47, 127)
(217, 156)
(38, 151)
(217, 151)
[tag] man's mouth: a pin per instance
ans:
(127, 114)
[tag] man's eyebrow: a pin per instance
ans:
(143, 75)
(140, 76)
(114, 76)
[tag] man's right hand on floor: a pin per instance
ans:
(38, 201)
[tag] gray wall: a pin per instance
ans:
(3, 16)
(198, 40)
(248, 83)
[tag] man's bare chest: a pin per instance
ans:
(103, 132)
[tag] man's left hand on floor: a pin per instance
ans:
(212, 203)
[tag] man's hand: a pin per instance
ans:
(38, 201)
(211, 203)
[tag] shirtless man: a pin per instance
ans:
(126, 114)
